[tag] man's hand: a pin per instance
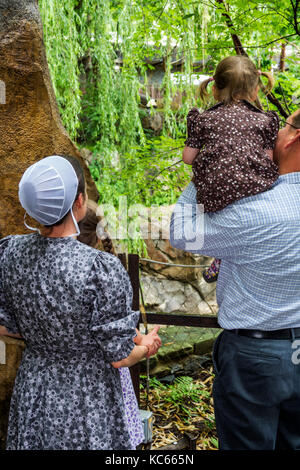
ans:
(151, 340)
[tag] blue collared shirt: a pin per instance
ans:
(258, 241)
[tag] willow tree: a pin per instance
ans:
(100, 55)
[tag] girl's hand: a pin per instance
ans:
(189, 154)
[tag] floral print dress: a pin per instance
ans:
(232, 162)
(72, 305)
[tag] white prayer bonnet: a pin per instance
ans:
(48, 189)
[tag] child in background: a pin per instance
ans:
(230, 146)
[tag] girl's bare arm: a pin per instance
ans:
(269, 152)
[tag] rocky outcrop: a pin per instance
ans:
(182, 352)
(172, 289)
(30, 129)
(30, 124)
(167, 287)
(167, 296)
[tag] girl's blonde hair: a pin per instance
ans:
(235, 78)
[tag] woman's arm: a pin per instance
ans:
(151, 340)
(4, 332)
(138, 353)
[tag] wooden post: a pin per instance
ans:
(132, 266)
(122, 258)
(133, 271)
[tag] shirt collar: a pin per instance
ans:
(289, 178)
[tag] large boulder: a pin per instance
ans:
(175, 284)
(10, 356)
(30, 129)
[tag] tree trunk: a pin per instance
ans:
(282, 58)
(235, 38)
(241, 51)
(30, 129)
(30, 124)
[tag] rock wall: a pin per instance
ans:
(168, 288)
(172, 289)
(30, 124)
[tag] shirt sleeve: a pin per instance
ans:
(194, 129)
(7, 317)
(271, 130)
(113, 321)
(215, 234)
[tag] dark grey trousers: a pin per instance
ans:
(256, 392)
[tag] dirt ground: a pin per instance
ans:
(179, 413)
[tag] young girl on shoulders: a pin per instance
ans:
(230, 146)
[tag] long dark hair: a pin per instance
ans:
(81, 184)
(88, 231)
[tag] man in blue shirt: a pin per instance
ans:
(257, 356)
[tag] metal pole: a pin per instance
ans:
(133, 271)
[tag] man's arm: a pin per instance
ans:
(218, 234)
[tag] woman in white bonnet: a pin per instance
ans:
(71, 304)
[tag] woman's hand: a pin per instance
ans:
(138, 353)
(146, 346)
(152, 341)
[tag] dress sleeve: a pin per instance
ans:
(7, 317)
(271, 131)
(194, 129)
(113, 321)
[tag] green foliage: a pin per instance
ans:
(152, 175)
(99, 54)
(185, 394)
(101, 104)
(63, 49)
(287, 90)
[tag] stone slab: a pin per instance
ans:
(178, 343)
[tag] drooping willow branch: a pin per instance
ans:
(235, 38)
(239, 49)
